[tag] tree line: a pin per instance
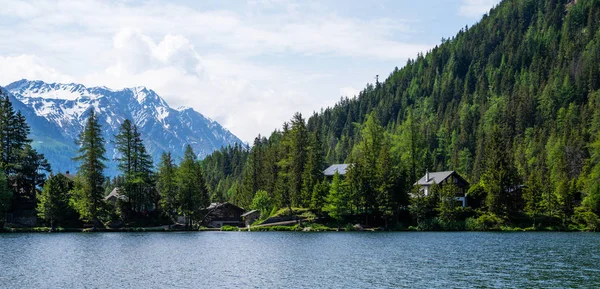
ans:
(143, 193)
(512, 104)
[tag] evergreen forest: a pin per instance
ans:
(512, 104)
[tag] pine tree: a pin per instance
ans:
(191, 188)
(337, 201)
(30, 171)
(499, 178)
(298, 157)
(313, 171)
(283, 182)
(363, 174)
(7, 134)
(166, 185)
(136, 165)
(53, 202)
(89, 190)
(124, 143)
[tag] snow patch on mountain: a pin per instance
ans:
(58, 112)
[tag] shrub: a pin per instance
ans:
(587, 220)
(485, 222)
(276, 228)
(315, 227)
(349, 228)
(432, 224)
(228, 228)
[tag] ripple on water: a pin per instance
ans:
(299, 260)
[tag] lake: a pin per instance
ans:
(299, 260)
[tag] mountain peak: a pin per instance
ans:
(56, 113)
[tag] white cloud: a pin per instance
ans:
(476, 8)
(248, 99)
(349, 91)
(205, 59)
(28, 66)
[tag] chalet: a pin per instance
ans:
(444, 178)
(220, 214)
(69, 176)
(341, 169)
(251, 217)
(114, 196)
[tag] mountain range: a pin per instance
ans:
(57, 112)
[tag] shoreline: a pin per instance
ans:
(307, 229)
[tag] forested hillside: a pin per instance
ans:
(513, 100)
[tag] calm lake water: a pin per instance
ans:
(299, 260)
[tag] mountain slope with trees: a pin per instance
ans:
(512, 102)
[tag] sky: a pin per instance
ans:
(249, 65)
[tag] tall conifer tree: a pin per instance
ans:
(89, 185)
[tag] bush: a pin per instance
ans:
(228, 228)
(314, 227)
(432, 224)
(276, 228)
(485, 222)
(587, 220)
(349, 228)
(452, 225)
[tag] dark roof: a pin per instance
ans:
(69, 176)
(250, 213)
(213, 206)
(340, 168)
(436, 178)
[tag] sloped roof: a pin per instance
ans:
(115, 194)
(434, 178)
(69, 175)
(249, 213)
(340, 168)
(213, 206)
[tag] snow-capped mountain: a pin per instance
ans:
(57, 113)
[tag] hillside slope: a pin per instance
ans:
(513, 99)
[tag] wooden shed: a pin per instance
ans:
(220, 214)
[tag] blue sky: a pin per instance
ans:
(246, 64)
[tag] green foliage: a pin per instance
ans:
(512, 103)
(5, 198)
(192, 194)
(277, 228)
(89, 185)
(589, 220)
(338, 199)
(485, 222)
(137, 167)
(422, 207)
(23, 169)
(166, 185)
(262, 202)
(228, 228)
(53, 201)
(319, 193)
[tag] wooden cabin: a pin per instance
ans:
(251, 217)
(220, 214)
(444, 178)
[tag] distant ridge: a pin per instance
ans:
(56, 114)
